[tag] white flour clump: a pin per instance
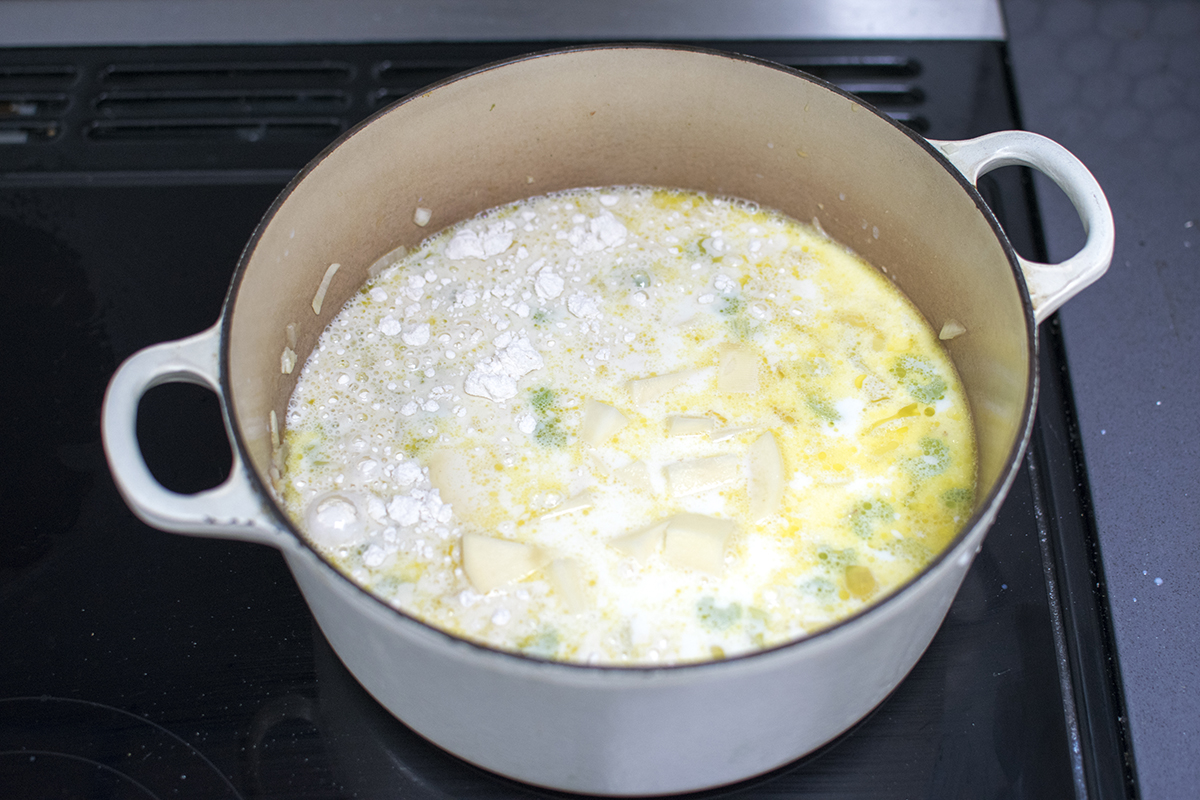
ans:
(496, 377)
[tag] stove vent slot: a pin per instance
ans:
(234, 102)
(31, 105)
(32, 102)
(248, 131)
(237, 75)
(890, 83)
(35, 77)
(836, 68)
(195, 103)
(399, 80)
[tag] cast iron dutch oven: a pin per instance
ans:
(598, 116)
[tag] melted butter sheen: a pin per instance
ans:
(475, 439)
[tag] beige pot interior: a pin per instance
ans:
(667, 117)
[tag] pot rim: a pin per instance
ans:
(984, 513)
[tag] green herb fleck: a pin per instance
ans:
(821, 589)
(919, 378)
(549, 433)
(822, 408)
(732, 306)
(836, 560)
(960, 498)
(542, 400)
(864, 517)
(543, 644)
(934, 458)
(715, 616)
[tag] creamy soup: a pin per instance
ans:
(629, 426)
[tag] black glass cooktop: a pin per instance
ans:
(136, 663)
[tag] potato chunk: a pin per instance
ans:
(568, 582)
(643, 391)
(600, 422)
(491, 563)
(696, 541)
(738, 370)
(643, 543)
(765, 477)
(692, 477)
(689, 426)
(453, 472)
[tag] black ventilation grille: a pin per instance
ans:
(185, 108)
(265, 74)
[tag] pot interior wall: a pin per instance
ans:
(620, 116)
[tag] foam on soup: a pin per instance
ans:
(629, 426)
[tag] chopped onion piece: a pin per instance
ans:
(287, 361)
(643, 543)
(422, 216)
(765, 477)
(696, 541)
(600, 422)
(319, 298)
(692, 477)
(951, 329)
(491, 563)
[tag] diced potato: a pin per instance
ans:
(600, 422)
(452, 474)
(643, 543)
(635, 475)
(689, 426)
(728, 433)
(643, 391)
(765, 477)
(598, 464)
(738, 370)
(860, 581)
(696, 541)
(491, 563)
(567, 579)
(692, 477)
(580, 502)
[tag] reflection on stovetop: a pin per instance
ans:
(130, 655)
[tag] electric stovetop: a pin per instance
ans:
(136, 663)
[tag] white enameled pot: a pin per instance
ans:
(601, 116)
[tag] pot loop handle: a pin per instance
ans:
(1050, 285)
(232, 510)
